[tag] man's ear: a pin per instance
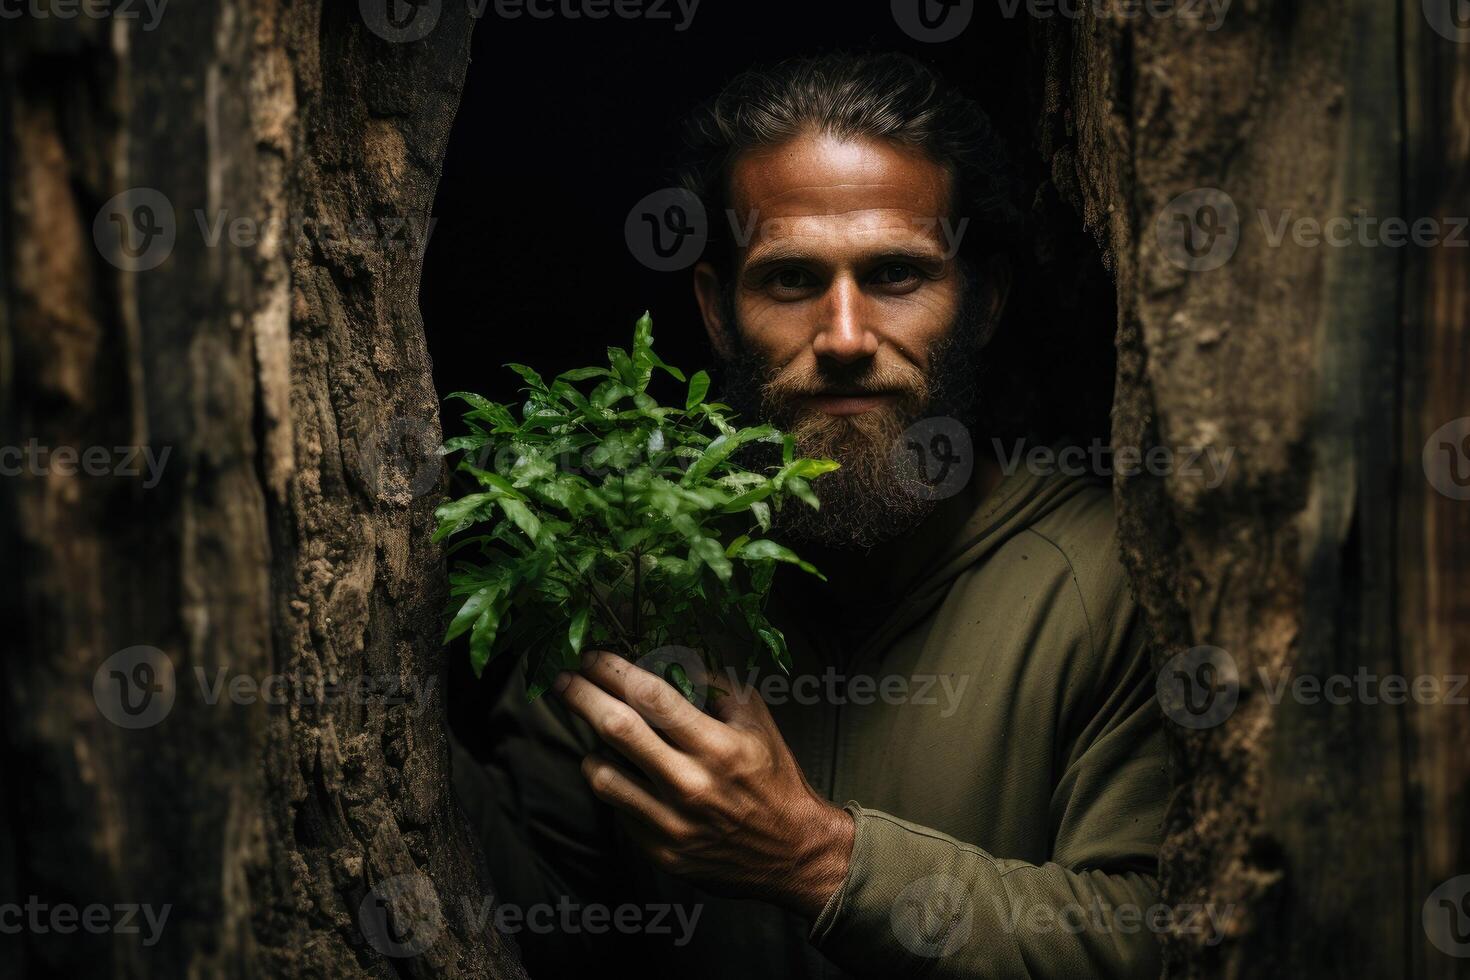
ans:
(707, 294)
(995, 279)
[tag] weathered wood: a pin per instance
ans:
(1322, 828)
(286, 375)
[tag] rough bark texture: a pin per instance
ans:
(288, 380)
(1320, 828)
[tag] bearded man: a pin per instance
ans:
(972, 782)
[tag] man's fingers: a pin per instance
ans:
(740, 705)
(621, 726)
(655, 700)
(625, 791)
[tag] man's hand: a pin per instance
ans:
(722, 801)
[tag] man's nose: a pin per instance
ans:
(843, 334)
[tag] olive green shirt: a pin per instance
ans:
(986, 715)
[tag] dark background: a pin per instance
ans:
(566, 124)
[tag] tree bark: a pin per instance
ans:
(1320, 830)
(280, 551)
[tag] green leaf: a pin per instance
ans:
(803, 490)
(469, 612)
(529, 376)
(521, 516)
(698, 388)
(709, 551)
(482, 639)
(720, 449)
(643, 335)
(767, 550)
(578, 629)
(582, 374)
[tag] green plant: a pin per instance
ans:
(658, 541)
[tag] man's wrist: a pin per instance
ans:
(823, 868)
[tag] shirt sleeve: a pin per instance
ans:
(918, 902)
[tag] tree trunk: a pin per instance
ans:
(186, 729)
(1330, 832)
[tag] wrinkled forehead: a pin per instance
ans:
(818, 188)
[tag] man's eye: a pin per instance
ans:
(790, 279)
(894, 274)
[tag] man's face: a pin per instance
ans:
(848, 317)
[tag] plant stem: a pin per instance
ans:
(612, 617)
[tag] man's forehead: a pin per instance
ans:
(815, 181)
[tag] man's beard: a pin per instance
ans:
(880, 492)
